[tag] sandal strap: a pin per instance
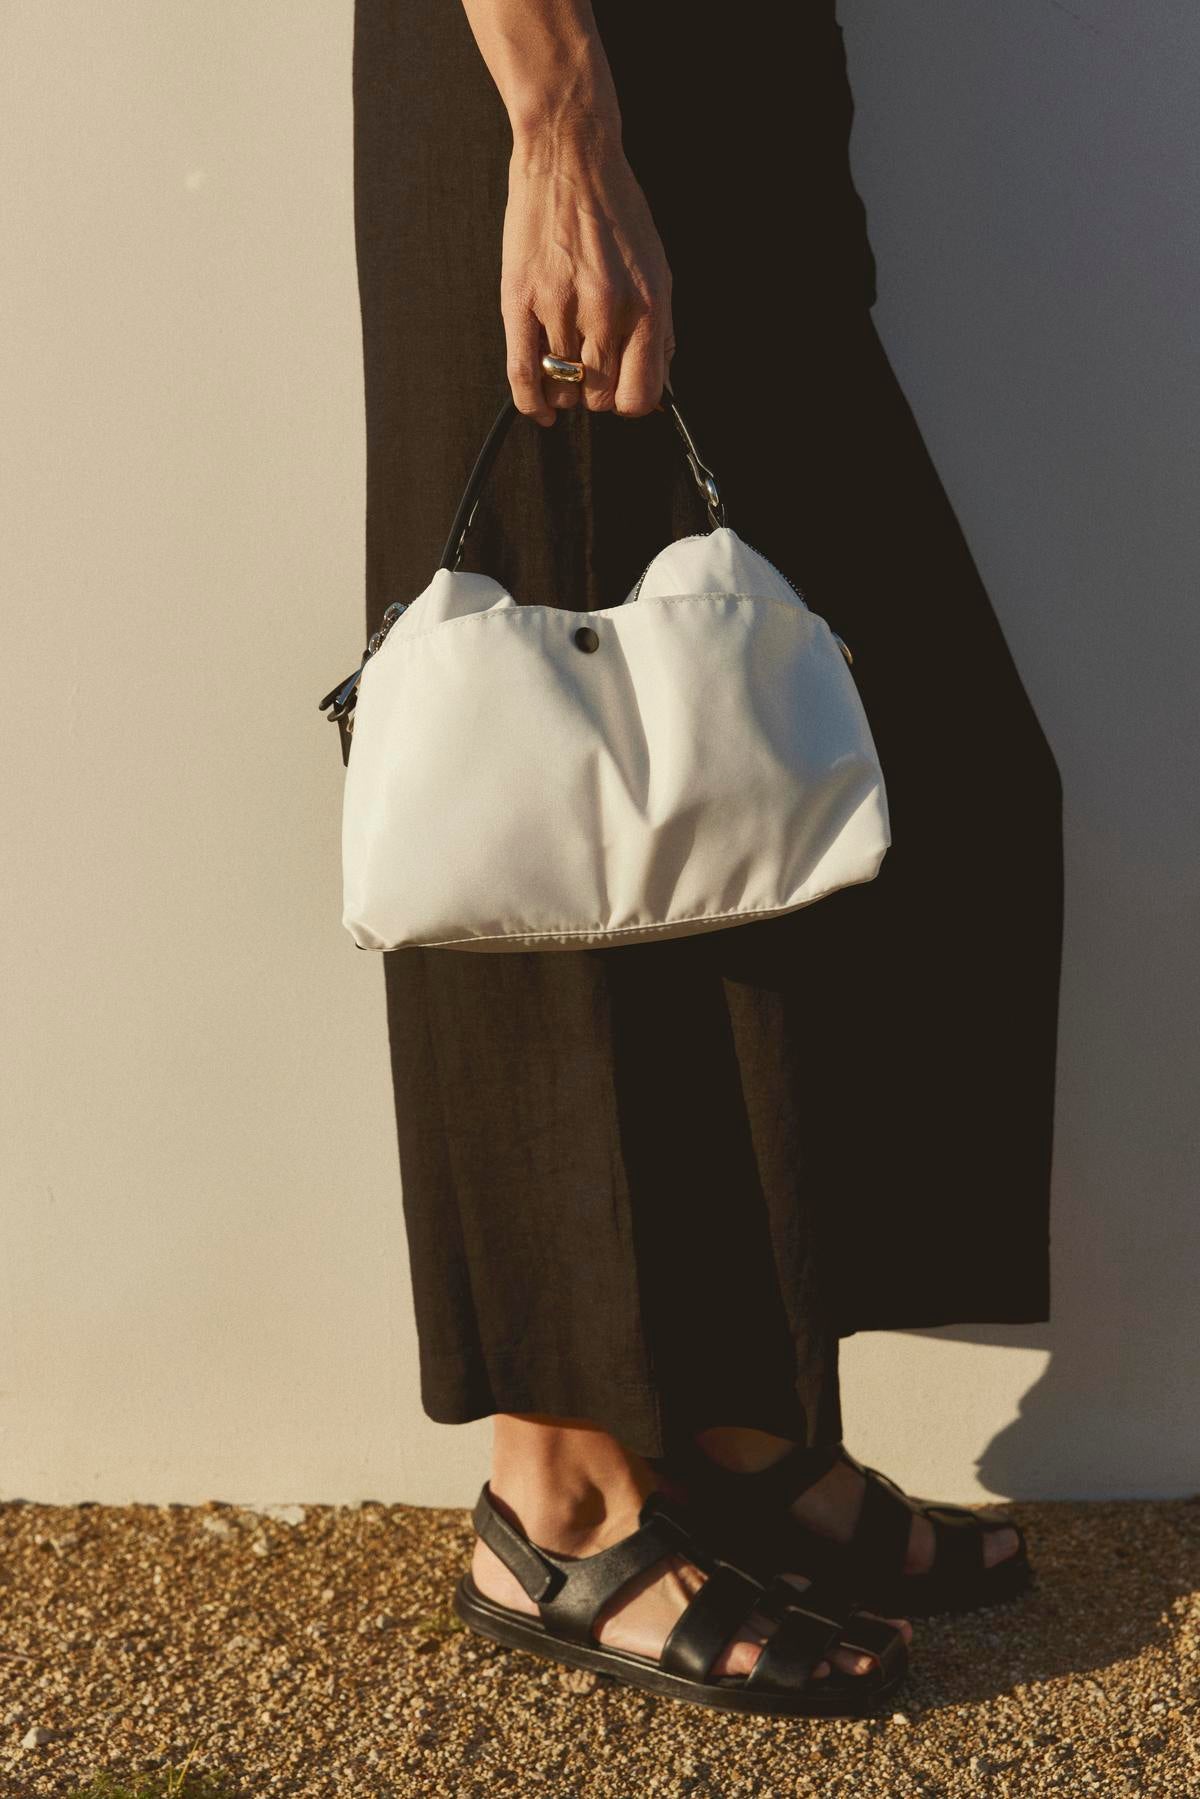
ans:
(825, 1598)
(767, 1489)
(537, 1574)
(959, 1533)
(881, 1536)
(865, 1635)
(799, 1641)
(821, 1618)
(710, 1619)
(570, 1592)
(953, 1512)
(958, 1543)
(594, 1580)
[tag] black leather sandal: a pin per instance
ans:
(571, 1592)
(751, 1512)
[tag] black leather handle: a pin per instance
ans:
(701, 475)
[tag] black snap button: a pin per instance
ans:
(586, 638)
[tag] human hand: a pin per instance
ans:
(584, 275)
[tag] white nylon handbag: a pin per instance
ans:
(525, 777)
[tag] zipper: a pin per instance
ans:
(783, 577)
(843, 646)
(340, 701)
(689, 538)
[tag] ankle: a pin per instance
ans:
(579, 1522)
(570, 1488)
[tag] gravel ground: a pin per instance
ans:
(312, 1651)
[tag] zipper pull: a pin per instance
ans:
(343, 697)
(339, 696)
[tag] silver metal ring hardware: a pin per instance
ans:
(704, 478)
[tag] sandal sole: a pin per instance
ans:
(516, 1630)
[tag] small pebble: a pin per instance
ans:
(40, 1735)
(284, 1514)
(577, 1680)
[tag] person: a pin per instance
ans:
(649, 1188)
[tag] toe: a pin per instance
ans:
(852, 1661)
(999, 1545)
(739, 1654)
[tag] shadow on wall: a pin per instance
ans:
(1114, 1413)
(1038, 296)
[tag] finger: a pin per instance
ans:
(643, 369)
(561, 334)
(523, 332)
(601, 364)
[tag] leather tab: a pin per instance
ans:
(537, 1574)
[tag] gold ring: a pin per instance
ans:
(561, 368)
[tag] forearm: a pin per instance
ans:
(549, 66)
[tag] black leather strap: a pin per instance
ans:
(720, 1608)
(703, 476)
(822, 1598)
(539, 1574)
(755, 1494)
(594, 1580)
(793, 1649)
(864, 1635)
(880, 1541)
(571, 1592)
(958, 1544)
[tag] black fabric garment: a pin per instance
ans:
(652, 1185)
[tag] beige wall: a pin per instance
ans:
(202, 1286)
